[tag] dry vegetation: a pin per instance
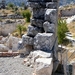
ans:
(5, 11)
(71, 28)
(71, 6)
(16, 34)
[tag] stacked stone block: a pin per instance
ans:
(42, 35)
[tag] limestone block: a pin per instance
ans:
(41, 54)
(37, 54)
(52, 5)
(27, 40)
(32, 31)
(37, 22)
(12, 43)
(44, 41)
(3, 40)
(20, 45)
(38, 13)
(44, 66)
(37, 5)
(49, 27)
(3, 48)
(51, 15)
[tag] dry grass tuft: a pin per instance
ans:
(71, 28)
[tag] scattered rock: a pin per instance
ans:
(3, 48)
(12, 43)
(41, 54)
(25, 60)
(3, 40)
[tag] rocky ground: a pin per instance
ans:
(14, 66)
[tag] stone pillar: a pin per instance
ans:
(42, 34)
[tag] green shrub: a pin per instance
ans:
(20, 29)
(11, 5)
(62, 29)
(26, 14)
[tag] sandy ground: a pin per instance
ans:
(14, 66)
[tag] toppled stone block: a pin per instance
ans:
(49, 27)
(41, 54)
(51, 15)
(32, 31)
(12, 43)
(44, 41)
(27, 40)
(44, 66)
(3, 48)
(35, 55)
(39, 13)
(37, 22)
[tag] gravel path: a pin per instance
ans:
(14, 66)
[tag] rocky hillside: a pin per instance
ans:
(18, 2)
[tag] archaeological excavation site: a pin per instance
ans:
(37, 37)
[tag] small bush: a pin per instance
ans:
(62, 29)
(21, 29)
(26, 14)
(11, 5)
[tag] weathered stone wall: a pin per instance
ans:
(68, 12)
(42, 36)
(8, 28)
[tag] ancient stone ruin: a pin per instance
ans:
(41, 38)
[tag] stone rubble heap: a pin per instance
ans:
(41, 37)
